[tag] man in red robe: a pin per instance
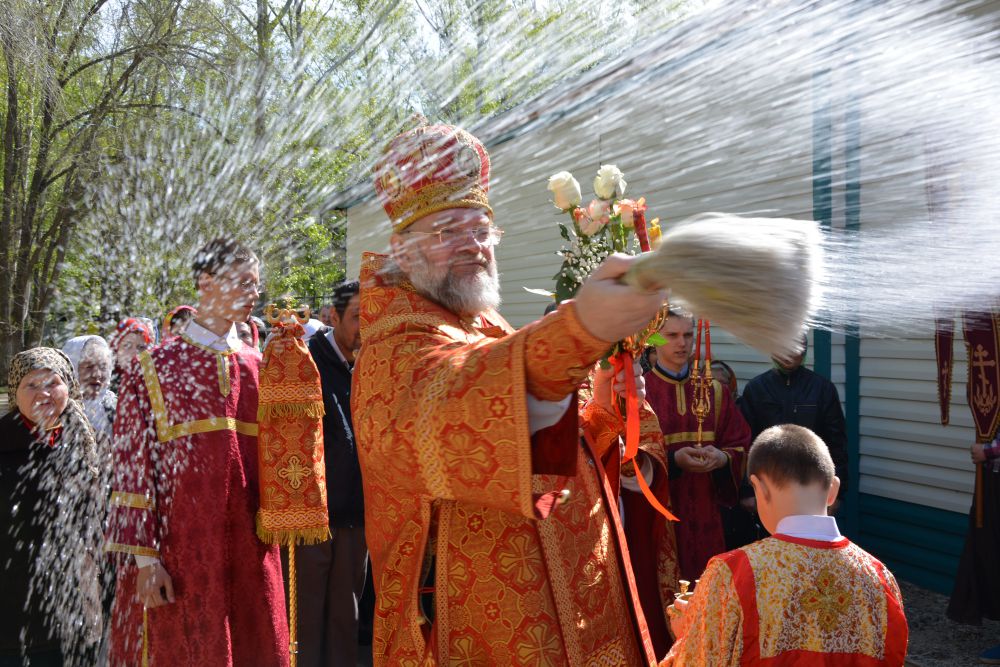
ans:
(186, 491)
(493, 529)
(704, 475)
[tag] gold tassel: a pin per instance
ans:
(286, 538)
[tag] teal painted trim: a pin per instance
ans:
(822, 190)
(852, 336)
(919, 544)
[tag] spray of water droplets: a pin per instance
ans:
(880, 119)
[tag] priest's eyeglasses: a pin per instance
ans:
(454, 237)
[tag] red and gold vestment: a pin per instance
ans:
(186, 492)
(453, 476)
(697, 496)
(793, 601)
(650, 535)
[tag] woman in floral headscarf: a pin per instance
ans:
(131, 337)
(51, 508)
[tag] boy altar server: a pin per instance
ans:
(807, 595)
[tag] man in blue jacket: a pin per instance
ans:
(331, 575)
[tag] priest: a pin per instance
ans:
(493, 528)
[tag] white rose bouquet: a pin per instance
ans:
(610, 223)
(604, 226)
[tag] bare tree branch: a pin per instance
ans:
(96, 61)
(358, 44)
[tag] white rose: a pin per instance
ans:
(565, 191)
(610, 181)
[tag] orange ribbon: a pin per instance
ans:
(623, 363)
(646, 491)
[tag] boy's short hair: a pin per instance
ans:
(790, 453)
(343, 294)
(219, 254)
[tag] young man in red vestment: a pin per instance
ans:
(186, 490)
(702, 477)
(807, 595)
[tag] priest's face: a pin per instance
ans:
(679, 333)
(231, 294)
(448, 256)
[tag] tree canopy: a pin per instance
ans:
(135, 130)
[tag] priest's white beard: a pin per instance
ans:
(466, 296)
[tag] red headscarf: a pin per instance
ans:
(131, 325)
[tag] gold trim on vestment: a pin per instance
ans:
(389, 323)
(221, 360)
(678, 389)
(132, 549)
(717, 394)
(207, 426)
(190, 341)
(166, 432)
(688, 436)
(432, 467)
(137, 501)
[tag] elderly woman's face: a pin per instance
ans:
(42, 397)
(94, 373)
(130, 345)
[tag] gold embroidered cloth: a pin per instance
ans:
(441, 416)
(790, 601)
(292, 468)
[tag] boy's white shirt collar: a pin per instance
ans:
(810, 527)
(202, 336)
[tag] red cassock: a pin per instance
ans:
(696, 497)
(186, 491)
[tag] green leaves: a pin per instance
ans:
(656, 339)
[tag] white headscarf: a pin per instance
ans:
(95, 408)
(310, 328)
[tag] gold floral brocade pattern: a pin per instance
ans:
(792, 601)
(820, 594)
(711, 632)
(443, 438)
